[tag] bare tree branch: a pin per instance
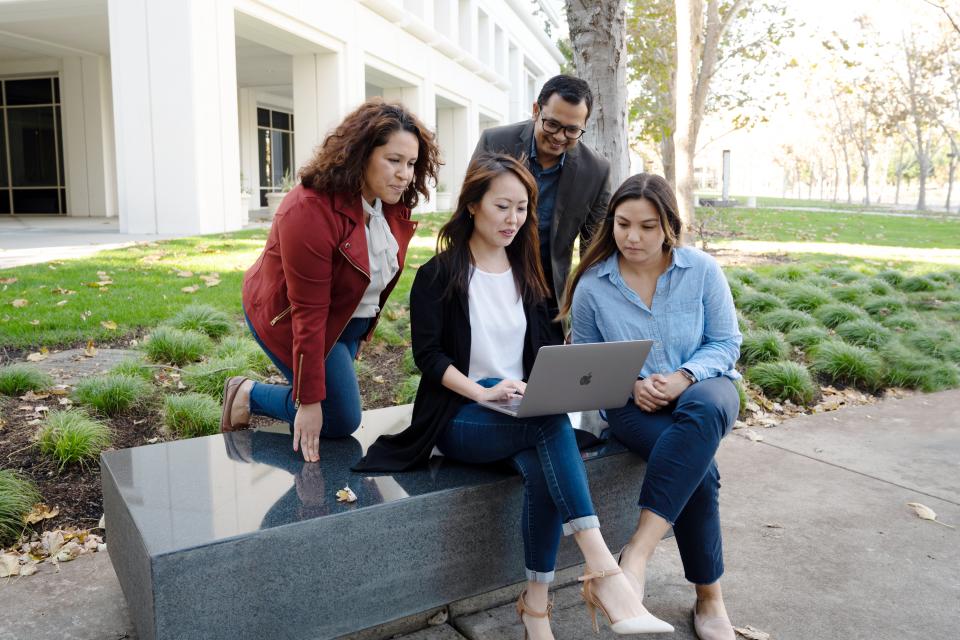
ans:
(943, 8)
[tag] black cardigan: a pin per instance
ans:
(440, 332)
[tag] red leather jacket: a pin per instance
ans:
(305, 286)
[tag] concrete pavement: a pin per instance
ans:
(819, 543)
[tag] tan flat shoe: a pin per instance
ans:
(230, 389)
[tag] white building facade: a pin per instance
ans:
(161, 112)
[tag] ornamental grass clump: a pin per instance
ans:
(918, 283)
(758, 302)
(905, 320)
(175, 346)
(878, 287)
(807, 338)
(821, 282)
(941, 277)
(246, 349)
(805, 297)
(883, 306)
(742, 397)
(785, 319)
(864, 333)
(746, 276)
(762, 346)
(839, 362)
(72, 436)
(209, 377)
(836, 313)
(17, 497)
(791, 272)
(841, 274)
(854, 293)
(113, 393)
(773, 286)
(737, 288)
(135, 368)
(743, 323)
(891, 277)
(203, 318)
(191, 415)
(906, 367)
(784, 380)
(936, 342)
(16, 379)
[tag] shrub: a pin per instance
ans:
(807, 337)
(785, 319)
(907, 368)
(192, 415)
(791, 272)
(805, 297)
(841, 274)
(246, 349)
(16, 379)
(917, 283)
(758, 302)
(203, 318)
(209, 377)
(884, 305)
(835, 314)
(133, 368)
(937, 342)
(864, 332)
(953, 274)
(891, 277)
(762, 346)
(175, 346)
(111, 394)
(843, 363)
(852, 293)
(784, 380)
(17, 496)
(878, 287)
(907, 320)
(72, 436)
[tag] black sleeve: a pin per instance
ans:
(426, 322)
(598, 211)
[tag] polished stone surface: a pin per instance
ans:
(232, 535)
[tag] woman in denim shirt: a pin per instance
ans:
(636, 282)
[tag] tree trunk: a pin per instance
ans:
(668, 156)
(952, 169)
(598, 34)
(689, 19)
(896, 194)
(922, 178)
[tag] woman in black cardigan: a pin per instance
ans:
(478, 316)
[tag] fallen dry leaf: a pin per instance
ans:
(751, 435)
(52, 542)
(35, 322)
(28, 569)
(61, 303)
(41, 512)
(30, 396)
(9, 565)
(926, 513)
(191, 289)
(38, 356)
(752, 634)
(90, 351)
(64, 402)
(70, 551)
(109, 325)
(346, 495)
(184, 274)
(20, 303)
(7, 280)
(63, 292)
(41, 409)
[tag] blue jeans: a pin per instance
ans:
(682, 483)
(544, 450)
(341, 408)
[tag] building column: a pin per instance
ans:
(317, 98)
(518, 82)
(452, 136)
(87, 136)
(175, 115)
(249, 151)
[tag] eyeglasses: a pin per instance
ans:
(573, 132)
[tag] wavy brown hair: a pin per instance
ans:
(339, 162)
(643, 186)
(453, 240)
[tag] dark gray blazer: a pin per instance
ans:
(582, 195)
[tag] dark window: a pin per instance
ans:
(35, 201)
(60, 145)
(32, 147)
(275, 146)
(38, 91)
(3, 154)
(263, 118)
(63, 201)
(4, 201)
(281, 120)
(56, 90)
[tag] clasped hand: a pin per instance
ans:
(657, 391)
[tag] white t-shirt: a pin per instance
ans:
(497, 326)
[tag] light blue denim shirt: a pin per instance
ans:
(693, 323)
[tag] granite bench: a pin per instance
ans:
(233, 536)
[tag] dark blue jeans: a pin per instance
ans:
(682, 483)
(341, 408)
(544, 451)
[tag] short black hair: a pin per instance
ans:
(573, 90)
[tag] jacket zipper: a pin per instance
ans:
(280, 317)
(296, 400)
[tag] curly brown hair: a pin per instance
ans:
(339, 162)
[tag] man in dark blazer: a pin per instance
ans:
(573, 180)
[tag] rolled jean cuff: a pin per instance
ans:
(545, 577)
(580, 524)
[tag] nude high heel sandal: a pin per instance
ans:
(522, 610)
(647, 623)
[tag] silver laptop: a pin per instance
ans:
(578, 377)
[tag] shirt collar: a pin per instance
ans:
(611, 265)
(533, 153)
(376, 209)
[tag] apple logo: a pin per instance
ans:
(585, 380)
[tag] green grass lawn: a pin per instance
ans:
(813, 226)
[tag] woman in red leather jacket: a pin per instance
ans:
(335, 251)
